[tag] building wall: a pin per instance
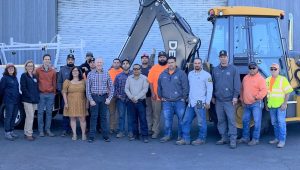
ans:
(104, 25)
(289, 6)
(27, 21)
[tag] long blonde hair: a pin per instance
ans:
(26, 63)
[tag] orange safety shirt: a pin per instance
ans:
(253, 88)
(153, 76)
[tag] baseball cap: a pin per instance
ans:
(252, 64)
(89, 54)
(162, 53)
(145, 55)
(223, 52)
(70, 56)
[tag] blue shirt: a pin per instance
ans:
(99, 83)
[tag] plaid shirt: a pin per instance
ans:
(119, 85)
(99, 83)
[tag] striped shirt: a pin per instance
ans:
(99, 83)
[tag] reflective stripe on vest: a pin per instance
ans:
(276, 96)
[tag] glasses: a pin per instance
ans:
(273, 69)
(136, 68)
(252, 68)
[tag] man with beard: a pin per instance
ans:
(64, 74)
(153, 76)
(85, 66)
(122, 99)
(113, 115)
(201, 89)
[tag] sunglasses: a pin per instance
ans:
(136, 68)
(273, 69)
(252, 68)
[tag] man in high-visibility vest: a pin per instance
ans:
(279, 90)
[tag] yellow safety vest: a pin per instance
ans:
(280, 88)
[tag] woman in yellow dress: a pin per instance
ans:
(76, 104)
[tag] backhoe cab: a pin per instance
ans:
(253, 34)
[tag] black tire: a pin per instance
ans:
(20, 119)
(265, 122)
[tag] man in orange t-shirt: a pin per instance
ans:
(113, 118)
(153, 76)
(253, 91)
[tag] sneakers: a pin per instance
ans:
(130, 135)
(179, 138)
(42, 134)
(253, 142)
(232, 144)
(133, 137)
(165, 139)
(222, 142)
(145, 139)
(280, 144)
(198, 142)
(182, 142)
(120, 135)
(106, 139)
(154, 136)
(12, 133)
(243, 140)
(274, 141)
(8, 136)
(50, 134)
(91, 139)
(64, 133)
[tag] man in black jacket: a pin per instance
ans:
(64, 73)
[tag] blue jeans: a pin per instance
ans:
(46, 101)
(278, 122)
(189, 115)
(122, 110)
(138, 115)
(99, 108)
(256, 110)
(11, 112)
(168, 109)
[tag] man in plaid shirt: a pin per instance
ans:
(122, 99)
(99, 91)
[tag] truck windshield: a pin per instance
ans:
(266, 39)
(219, 40)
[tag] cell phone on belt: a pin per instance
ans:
(199, 104)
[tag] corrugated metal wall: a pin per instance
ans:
(27, 21)
(289, 6)
(104, 24)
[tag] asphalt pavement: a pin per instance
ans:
(61, 153)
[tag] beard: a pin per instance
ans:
(162, 63)
(70, 65)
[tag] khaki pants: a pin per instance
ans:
(113, 115)
(156, 108)
(29, 111)
(149, 114)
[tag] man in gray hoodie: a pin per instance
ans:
(173, 91)
(64, 73)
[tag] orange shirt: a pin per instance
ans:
(46, 79)
(153, 76)
(113, 73)
(253, 88)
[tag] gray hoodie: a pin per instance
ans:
(173, 87)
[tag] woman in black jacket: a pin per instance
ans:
(9, 89)
(30, 97)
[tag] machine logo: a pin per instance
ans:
(172, 48)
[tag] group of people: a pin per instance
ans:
(141, 95)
